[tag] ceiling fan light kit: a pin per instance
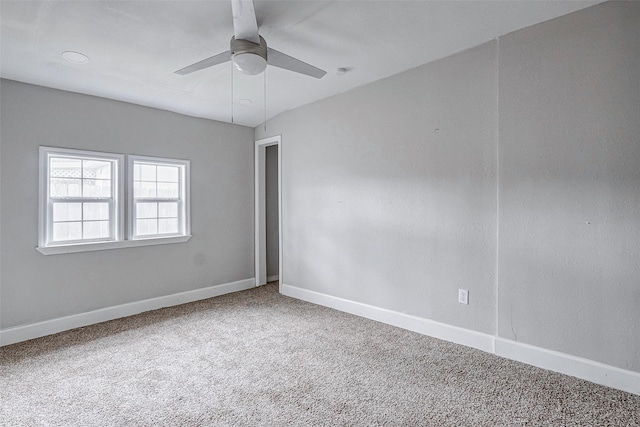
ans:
(249, 57)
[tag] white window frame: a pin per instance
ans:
(122, 238)
(184, 203)
(45, 208)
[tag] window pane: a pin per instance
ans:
(168, 190)
(95, 211)
(81, 200)
(67, 231)
(146, 210)
(147, 173)
(158, 196)
(61, 167)
(96, 188)
(168, 210)
(67, 212)
(144, 189)
(65, 187)
(96, 169)
(167, 225)
(96, 229)
(146, 227)
(168, 173)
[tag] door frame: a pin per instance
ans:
(260, 228)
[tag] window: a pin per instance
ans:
(158, 201)
(80, 197)
(82, 201)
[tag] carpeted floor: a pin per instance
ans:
(256, 358)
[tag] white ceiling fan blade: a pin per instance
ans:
(245, 25)
(281, 60)
(209, 62)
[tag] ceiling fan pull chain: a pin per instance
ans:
(265, 100)
(232, 93)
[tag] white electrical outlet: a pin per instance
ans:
(463, 296)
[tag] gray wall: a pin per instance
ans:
(389, 191)
(0, 207)
(390, 195)
(569, 263)
(271, 182)
(37, 287)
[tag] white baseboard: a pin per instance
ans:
(563, 363)
(568, 364)
(48, 327)
(421, 325)
(273, 278)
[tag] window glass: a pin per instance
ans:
(159, 201)
(79, 202)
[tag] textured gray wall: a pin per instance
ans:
(0, 209)
(389, 191)
(272, 210)
(37, 287)
(569, 237)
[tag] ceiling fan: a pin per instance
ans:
(248, 51)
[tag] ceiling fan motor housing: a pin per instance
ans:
(247, 56)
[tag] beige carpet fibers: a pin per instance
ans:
(256, 358)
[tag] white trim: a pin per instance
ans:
(101, 246)
(280, 229)
(42, 195)
(48, 327)
(184, 201)
(273, 278)
(421, 325)
(117, 198)
(497, 264)
(260, 240)
(563, 363)
(568, 364)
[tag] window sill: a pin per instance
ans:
(101, 246)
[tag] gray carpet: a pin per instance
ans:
(256, 358)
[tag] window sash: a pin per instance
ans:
(82, 221)
(181, 200)
(47, 224)
(179, 216)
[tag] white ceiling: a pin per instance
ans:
(135, 46)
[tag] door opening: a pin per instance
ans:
(271, 205)
(268, 211)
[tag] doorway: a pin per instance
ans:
(268, 210)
